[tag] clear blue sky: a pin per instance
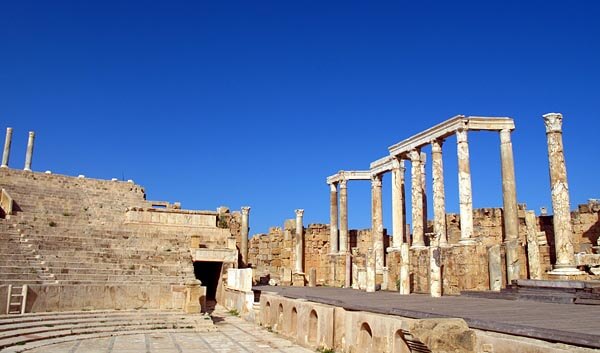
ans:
(256, 103)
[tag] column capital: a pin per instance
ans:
(343, 184)
(245, 210)
(414, 155)
(376, 180)
(423, 157)
(333, 187)
(299, 212)
(398, 164)
(553, 122)
(461, 135)
(436, 145)
(505, 135)
(31, 133)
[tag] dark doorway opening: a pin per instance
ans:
(208, 272)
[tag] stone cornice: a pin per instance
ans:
(349, 175)
(381, 165)
(449, 128)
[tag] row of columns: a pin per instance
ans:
(7, 144)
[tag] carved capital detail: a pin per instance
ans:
(553, 122)
(246, 210)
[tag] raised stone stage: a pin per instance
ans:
(576, 325)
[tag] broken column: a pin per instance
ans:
(333, 219)
(465, 194)
(509, 197)
(29, 154)
(398, 219)
(435, 271)
(404, 287)
(563, 232)
(439, 198)
(371, 260)
(533, 247)
(417, 200)
(495, 267)
(299, 247)
(377, 222)
(244, 234)
(7, 143)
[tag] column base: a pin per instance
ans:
(468, 241)
(3, 166)
(418, 246)
(566, 271)
(393, 249)
(27, 169)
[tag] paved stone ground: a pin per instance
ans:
(233, 335)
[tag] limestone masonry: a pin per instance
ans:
(76, 243)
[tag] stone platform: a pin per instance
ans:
(564, 323)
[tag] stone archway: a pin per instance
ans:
(279, 326)
(294, 322)
(365, 338)
(313, 327)
(400, 344)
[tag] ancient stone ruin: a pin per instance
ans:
(78, 244)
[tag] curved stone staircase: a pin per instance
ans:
(28, 331)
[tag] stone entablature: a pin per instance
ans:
(171, 217)
(215, 255)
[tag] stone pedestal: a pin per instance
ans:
(7, 143)
(465, 193)
(29, 154)
(195, 297)
(312, 277)
(298, 280)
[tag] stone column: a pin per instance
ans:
(398, 220)
(371, 268)
(343, 244)
(465, 194)
(244, 234)
(377, 222)
(7, 143)
(509, 197)
(424, 189)
(439, 197)
(404, 269)
(563, 231)
(333, 219)
(29, 154)
(299, 247)
(435, 271)
(417, 200)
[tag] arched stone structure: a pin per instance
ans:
(365, 338)
(313, 327)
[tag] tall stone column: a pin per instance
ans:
(29, 154)
(333, 219)
(563, 231)
(417, 200)
(509, 197)
(343, 245)
(424, 189)
(7, 143)
(465, 194)
(439, 197)
(244, 234)
(299, 247)
(398, 220)
(377, 222)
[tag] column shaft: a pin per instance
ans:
(563, 231)
(417, 200)
(7, 143)
(244, 234)
(439, 197)
(424, 189)
(398, 220)
(465, 193)
(377, 222)
(29, 154)
(343, 244)
(333, 219)
(299, 247)
(509, 198)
